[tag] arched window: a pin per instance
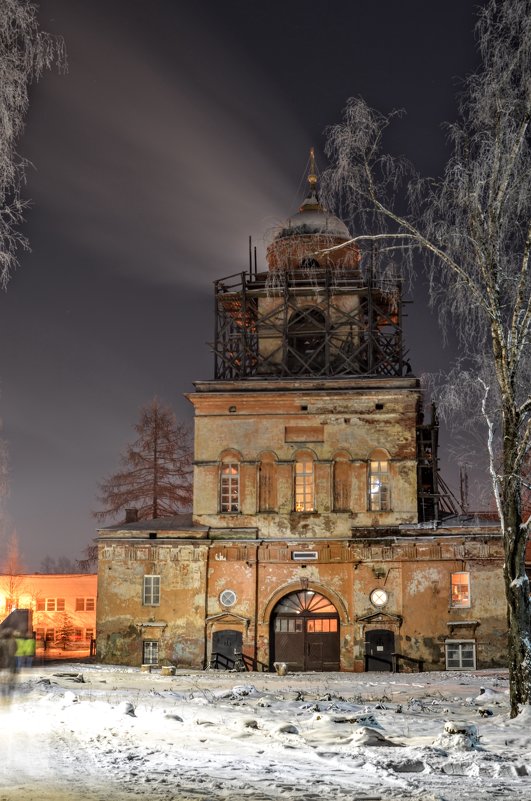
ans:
(267, 483)
(230, 487)
(304, 485)
(306, 341)
(379, 485)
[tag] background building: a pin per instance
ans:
(62, 607)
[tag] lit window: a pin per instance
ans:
(460, 655)
(460, 590)
(150, 652)
(50, 604)
(60, 604)
(151, 593)
(90, 604)
(80, 604)
(304, 493)
(230, 487)
(379, 485)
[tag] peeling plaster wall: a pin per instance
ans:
(414, 571)
(177, 623)
(347, 420)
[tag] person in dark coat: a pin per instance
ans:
(8, 661)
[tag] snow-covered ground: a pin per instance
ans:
(116, 733)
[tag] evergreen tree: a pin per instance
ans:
(65, 632)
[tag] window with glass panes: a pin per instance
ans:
(460, 590)
(151, 591)
(379, 485)
(460, 655)
(150, 652)
(230, 487)
(304, 490)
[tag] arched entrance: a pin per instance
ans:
(305, 632)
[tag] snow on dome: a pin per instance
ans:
(315, 221)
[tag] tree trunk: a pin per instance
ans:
(516, 581)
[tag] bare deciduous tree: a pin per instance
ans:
(156, 475)
(474, 225)
(25, 52)
(89, 562)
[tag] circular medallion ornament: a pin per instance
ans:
(228, 598)
(378, 597)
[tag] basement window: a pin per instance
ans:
(460, 654)
(150, 652)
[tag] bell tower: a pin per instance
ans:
(309, 427)
(319, 310)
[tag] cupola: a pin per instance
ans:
(305, 239)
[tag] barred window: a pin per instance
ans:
(150, 652)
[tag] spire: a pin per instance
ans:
(311, 201)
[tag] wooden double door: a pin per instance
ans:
(305, 632)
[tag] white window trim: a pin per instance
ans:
(151, 594)
(460, 642)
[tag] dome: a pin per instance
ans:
(313, 219)
(313, 236)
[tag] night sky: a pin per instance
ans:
(180, 129)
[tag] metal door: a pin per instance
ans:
(227, 642)
(379, 648)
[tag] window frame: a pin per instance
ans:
(151, 589)
(229, 488)
(150, 652)
(457, 604)
(461, 643)
(304, 485)
(379, 499)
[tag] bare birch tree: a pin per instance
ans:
(156, 474)
(25, 52)
(474, 226)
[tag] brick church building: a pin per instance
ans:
(322, 535)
